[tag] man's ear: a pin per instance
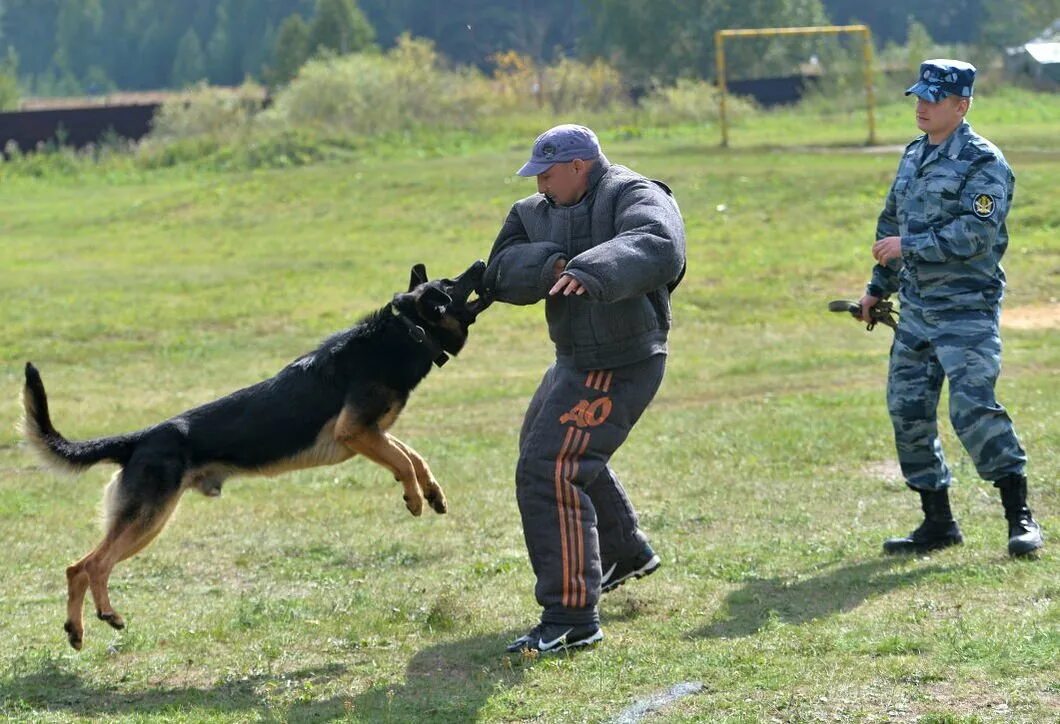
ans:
(433, 303)
(418, 276)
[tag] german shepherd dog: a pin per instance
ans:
(322, 409)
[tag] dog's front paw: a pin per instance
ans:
(436, 499)
(74, 634)
(111, 618)
(414, 504)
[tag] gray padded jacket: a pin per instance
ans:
(624, 242)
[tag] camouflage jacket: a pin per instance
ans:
(949, 208)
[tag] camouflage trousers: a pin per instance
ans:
(964, 347)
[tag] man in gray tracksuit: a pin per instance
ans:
(604, 247)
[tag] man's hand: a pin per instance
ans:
(558, 268)
(887, 249)
(867, 302)
(565, 283)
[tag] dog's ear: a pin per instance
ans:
(433, 303)
(419, 276)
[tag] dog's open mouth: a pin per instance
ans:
(472, 282)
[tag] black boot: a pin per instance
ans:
(1024, 534)
(939, 529)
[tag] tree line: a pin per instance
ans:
(63, 47)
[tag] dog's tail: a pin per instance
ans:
(53, 448)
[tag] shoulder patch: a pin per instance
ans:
(983, 206)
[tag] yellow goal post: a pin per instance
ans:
(862, 30)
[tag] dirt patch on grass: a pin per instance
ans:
(979, 700)
(1032, 317)
(887, 470)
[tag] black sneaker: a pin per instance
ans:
(615, 574)
(548, 637)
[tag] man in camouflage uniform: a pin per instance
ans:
(940, 239)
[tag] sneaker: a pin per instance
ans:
(615, 574)
(548, 637)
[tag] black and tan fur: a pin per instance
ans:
(325, 407)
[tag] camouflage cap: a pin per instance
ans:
(942, 77)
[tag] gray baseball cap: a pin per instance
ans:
(561, 144)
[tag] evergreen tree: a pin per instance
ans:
(190, 64)
(1018, 21)
(948, 21)
(918, 46)
(76, 36)
(220, 65)
(339, 26)
(667, 39)
(9, 80)
(291, 50)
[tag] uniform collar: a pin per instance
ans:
(951, 147)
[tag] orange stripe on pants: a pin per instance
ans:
(572, 523)
(581, 590)
(562, 517)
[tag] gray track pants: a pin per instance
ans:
(573, 508)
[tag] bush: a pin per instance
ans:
(368, 94)
(219, 114)
(48, 160)
(842, 85)
(568, 86)
(572, 85)
(692, 101)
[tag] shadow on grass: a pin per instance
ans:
(798, 600)
(449, 682)
(50, 687)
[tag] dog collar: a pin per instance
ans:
(422, 336)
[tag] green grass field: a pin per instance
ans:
(764, 471)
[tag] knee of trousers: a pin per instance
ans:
(907, 405)
(534, 468)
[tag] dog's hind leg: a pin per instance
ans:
(77, 577)
(93, 572)
(432, 491)
(381, 449)
(136, 535)
(137, 506)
